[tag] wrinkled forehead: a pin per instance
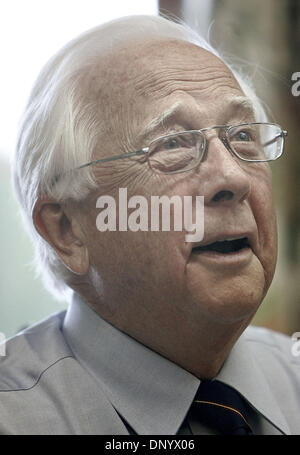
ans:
(146, 67)
(139, 80)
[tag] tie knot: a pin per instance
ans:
(221, 407)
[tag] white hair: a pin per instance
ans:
(60, 128)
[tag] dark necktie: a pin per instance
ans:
(222, 408)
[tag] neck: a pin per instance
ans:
(201, 352)
(199, 345)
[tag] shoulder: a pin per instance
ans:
(44, 389)
(275, 355)
(32, 351)
(268, 341)
(31, 376)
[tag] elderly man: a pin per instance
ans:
(154, 339)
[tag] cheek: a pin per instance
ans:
(262, 205)
(137, 260)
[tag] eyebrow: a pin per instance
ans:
(162, 118)
(244, 104)
(238, 103)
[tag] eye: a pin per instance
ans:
(243, 133)
(171, 144)
(243, 136)
(175, 153)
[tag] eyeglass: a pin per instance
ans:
(183, 151)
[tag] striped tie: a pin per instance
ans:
(222, 408)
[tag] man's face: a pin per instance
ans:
(151, 281)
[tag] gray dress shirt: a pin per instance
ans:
(74, 373)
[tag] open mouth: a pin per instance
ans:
(225, 246)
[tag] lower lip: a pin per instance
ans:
(237, 258)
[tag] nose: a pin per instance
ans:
(226, 180)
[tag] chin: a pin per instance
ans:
(230, 304)
(230, 295)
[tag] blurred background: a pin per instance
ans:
(261, 38)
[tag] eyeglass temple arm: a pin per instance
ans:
(116, 157)
(282, 134)
(104, 160)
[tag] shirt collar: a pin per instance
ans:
(242, 372)
(150, 392)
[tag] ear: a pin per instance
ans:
(63, 233)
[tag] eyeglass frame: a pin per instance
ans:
(225, 140)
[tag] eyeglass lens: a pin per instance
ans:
(183, 151)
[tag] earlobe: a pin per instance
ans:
(61, 232)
